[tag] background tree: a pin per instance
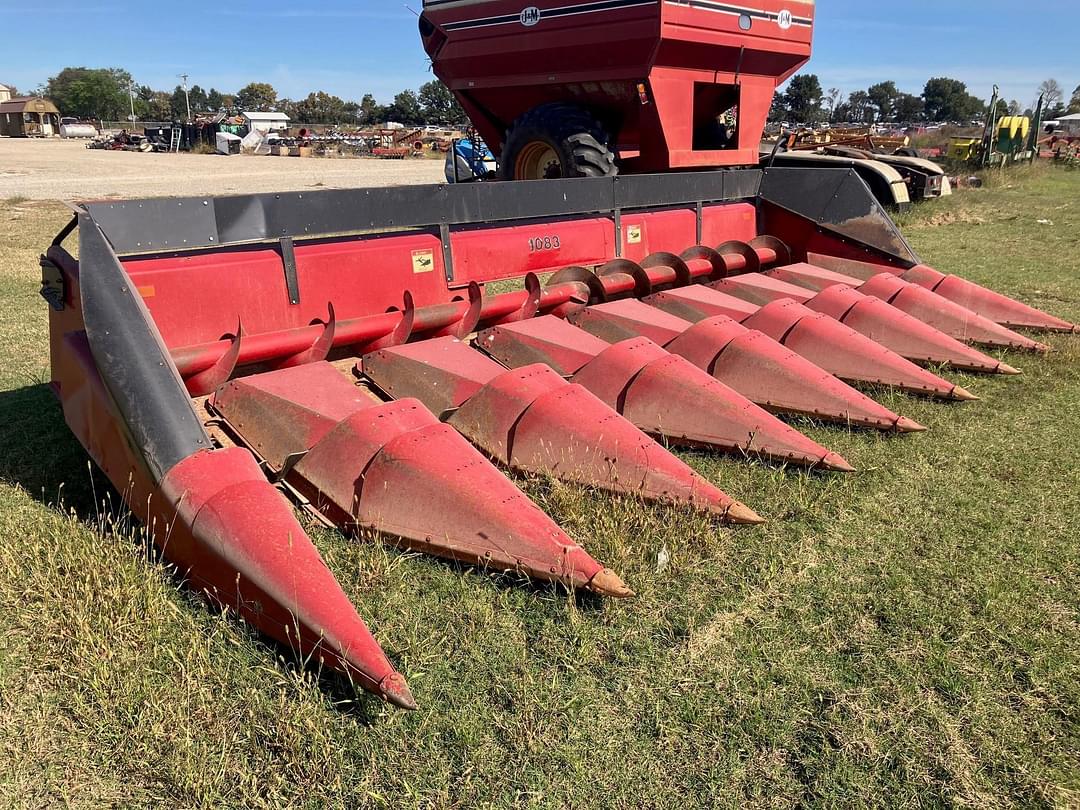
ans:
(256, 96)
(778, 111)
(883, 96)
(1002, 109)
(949, 100)
(214, 100)
(1052, 94)
(91, 92)
(832, 101)
(1074, 102)
(406, 108)
(860, 110)
(371, 111)
(803, 98)
(1014, 107)
(320, 108)
(908, 108)
(439, 105)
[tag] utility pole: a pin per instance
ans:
(187, 98)
(131, 98)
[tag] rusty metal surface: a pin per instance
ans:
(777, 378)
(533, 420)
(896, 330)
(945, 315)
(760, 288)
(701, 301)
(989, 304)
(394, 468)
(546, 339)
(442, 372)
(844, 352)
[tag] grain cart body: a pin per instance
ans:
(654, 76)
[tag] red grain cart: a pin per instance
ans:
(562, 89)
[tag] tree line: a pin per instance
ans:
(109, 94)
(943, 99)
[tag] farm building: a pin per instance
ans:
(1070, 124)
(266, 121)
(29, 117)
(5, 93)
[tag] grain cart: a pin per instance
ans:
(226, 360)
(589, 89)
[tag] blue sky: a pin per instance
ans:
(352, 48)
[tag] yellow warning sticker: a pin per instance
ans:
(423, 261)
(633, 234)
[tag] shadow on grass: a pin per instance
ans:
(43, 457)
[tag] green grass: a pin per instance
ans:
(906, 636)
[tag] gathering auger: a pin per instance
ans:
(226, 359)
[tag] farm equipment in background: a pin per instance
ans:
(1006, 139)
(224, 360)
(891, 168)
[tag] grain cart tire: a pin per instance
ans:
(553, 141)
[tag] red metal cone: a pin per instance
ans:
(253, 556)
(761, 289)
(845, 353)
(811, 276)
(663, 394)
(993, 305)
(949, 317)
(896, 330)
(533, 420)
(752, 363)
(393, 467)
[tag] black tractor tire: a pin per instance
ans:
(556, 140)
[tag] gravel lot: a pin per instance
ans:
(66, 170)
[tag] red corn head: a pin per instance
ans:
(829, 344)
(846, 353)
(884, 324)
(752, 363)
(244, 525)
(533, 420)
(393, 467)
(987, 303)
(948, 316)
(661, 393)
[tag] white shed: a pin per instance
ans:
(266, 121)
(1070, 124)
(5, 93)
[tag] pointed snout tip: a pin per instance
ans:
(834, 462)
(607, 583)
(1005, 368)
(963, 395)
(743, 515)
(394, 689)
(905, 425)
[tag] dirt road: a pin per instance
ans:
(65, 170)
